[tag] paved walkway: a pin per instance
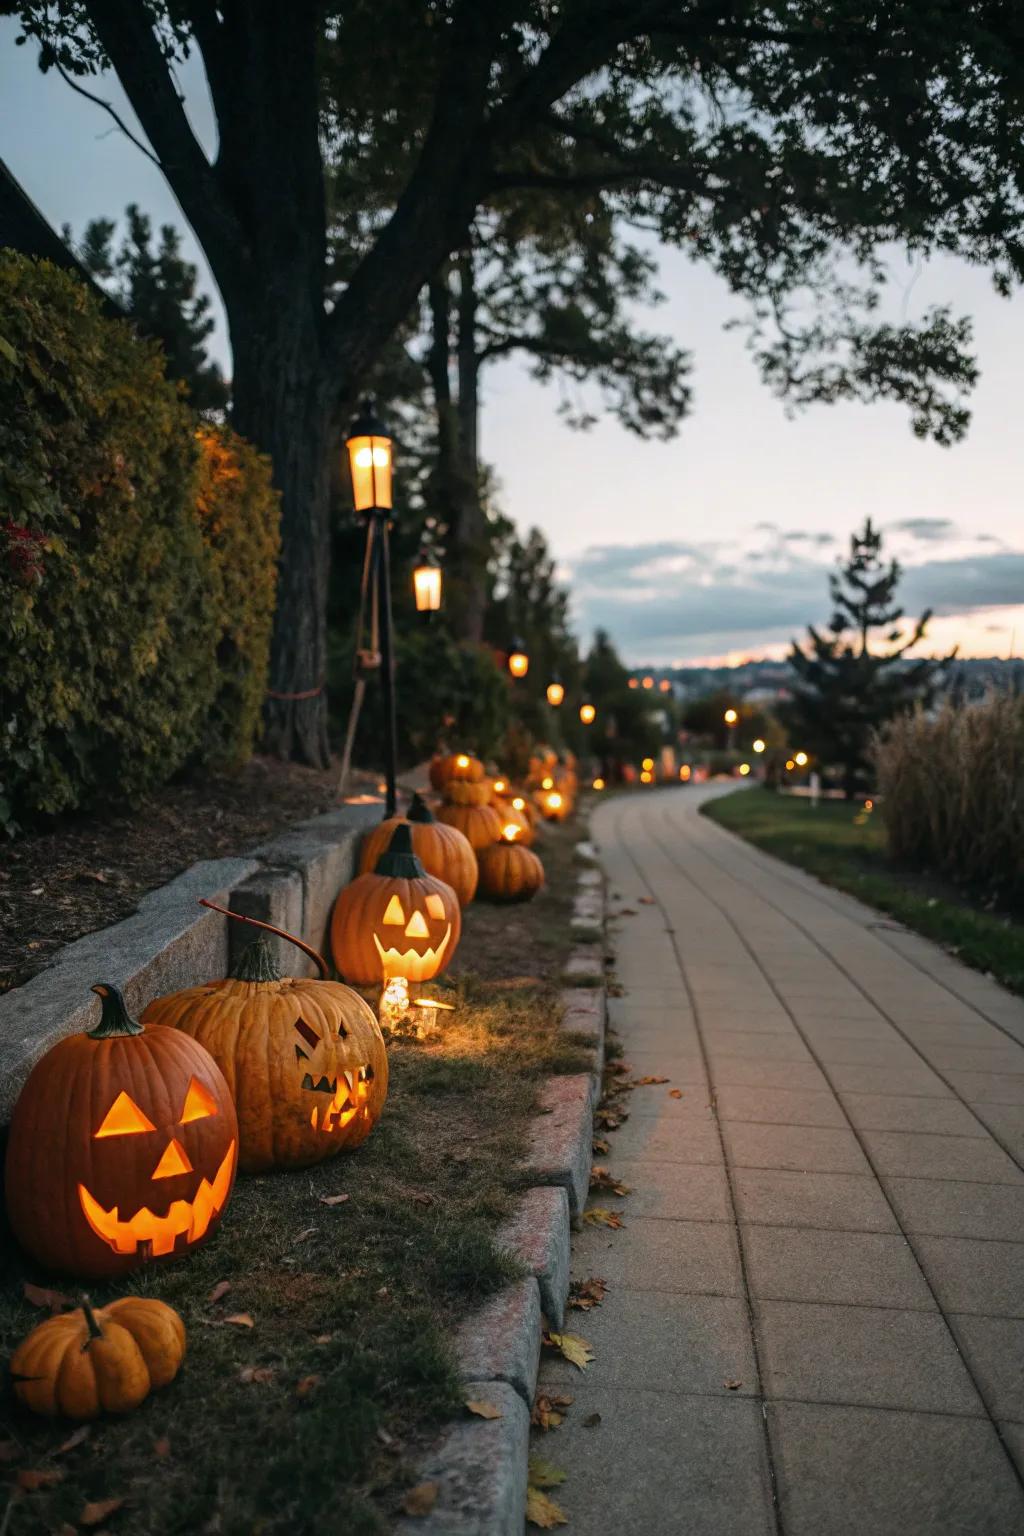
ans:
(832, 1214)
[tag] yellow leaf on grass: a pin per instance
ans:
(542, 1511)
(599, 1216)
(544, 1474)
(484, 1410)
(97, 1511)
(421, 1499)
(572, 1347)
(241, 1320)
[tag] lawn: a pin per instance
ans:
(311, 1384)
(844, 846)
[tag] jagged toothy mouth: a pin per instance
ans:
(158, 1235)
(349, 1092)
(414, 964)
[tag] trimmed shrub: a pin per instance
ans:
(952, 793)
(132, 560)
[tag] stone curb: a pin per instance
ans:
(480, 1466)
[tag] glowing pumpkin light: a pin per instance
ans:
(123, 1146)
(397, 920)
(509, 871)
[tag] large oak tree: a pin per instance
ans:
(787, 142)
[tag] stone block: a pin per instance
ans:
(272, 895)
(538, 1235)
(500, 1341)
(324, 853)
(480, 1469)
(561, 1135)
(168, 943)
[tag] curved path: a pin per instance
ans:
(814, 1317)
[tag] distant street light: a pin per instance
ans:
(587, 713)
(518, 660)
(801, 759)
(744, 770)
(759, 745)
(555, 693)
(427, 584)
(730, 717)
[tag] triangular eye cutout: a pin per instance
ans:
(435, 906)
(393, 913)
(417, 928)
(123, 1118)
(199, 1103)
(175, 1160)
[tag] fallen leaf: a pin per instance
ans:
(75, 1438)
(333, 1199)
(547, 1410)
(571, 1347)
(323, 1338)
(591, 1421)
(484, 1410)
(544, 1474)
(601, 1147)
(162, 1448)
(219, 1291)
(646, 901)
(421, 1499)
(300, 1237)
(610, 1119)
(261, 1373)
(585, 1294)
(625, 912)
(97, 1511)
(241, 1320)
(600, 1178)
(30, 1480)
(732, 1386)
(600, 1216)
(307, 1385)
(647, 1082)
(542, 1511)
(675, 1093)
(39, 1296)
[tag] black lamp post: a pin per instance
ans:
(370, 462)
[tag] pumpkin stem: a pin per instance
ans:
(419, 810)
(115, 1020)
(307, 949)
(95, 1331)
(398, 861)
(256, 963)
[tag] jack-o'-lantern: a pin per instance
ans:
(508, 870)
(122, 1147)
(480, 824)
(396, 921)
(518, 818)
(304, 1058)
(554, 805)
(525, 808)
(443, 851)
(456, 766)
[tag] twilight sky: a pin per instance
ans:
(718, 543)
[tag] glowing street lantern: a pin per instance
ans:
(730, 717)
(369, 461)
(647, 777)
(426, 585)
(790, 765)
(685, 773)
(665, 685)
(499, 786)
(648, 682)
(869, 805)
(555, 693)
(598, 784)
(648, 763)
(801, 759)
(587, 713)
(759, 745)
(744, 770)
(633, 683)
(518, 660)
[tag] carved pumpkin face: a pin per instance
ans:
(304, 1060)
(397, 921)
(141, 1143)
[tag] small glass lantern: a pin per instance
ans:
(555, 693)
(427, 581)
(369, 460)
(587, 713)
(518, 660)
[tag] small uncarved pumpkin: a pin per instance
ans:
(86, 1362)
(396, 921)
(443, 851)
(122, 1148)
(457, 766)
(481, 824)
(304, 1059)
(461, 793)
(510, 872)
(517, 817)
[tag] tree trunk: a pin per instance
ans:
(473, 543)
(282, 404)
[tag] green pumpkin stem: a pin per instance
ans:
(115, 1020)
(240, 917)
(256, 963)
(419, 810)
(398, 861)
(95, 1331)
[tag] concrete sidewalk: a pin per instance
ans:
(831, 1216)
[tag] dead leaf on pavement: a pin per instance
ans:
(547, 1409)
(591, 1421)
(571, 1347)
(600, 1216)
(75, 1438)
(40, 1296)
(646, 901)
(625, 912)
(241, 1320)
(544, 1474)
(600, 1147)
(219, 1291)
(601, 1178)
(584, 1294)
(421, 1499)
(97, 1511)
(333, 1199)
(675, 1093)
(610, 1119)
(732, 1386)
(647, 1082)
(542, 1511)
(484, 1410)
(31, 1479)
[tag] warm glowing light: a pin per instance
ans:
(394, 913)
(369, 459)
(633, 683)
(188, 1219)
(124, 1118)
(554, 801)
(500, 786)
(416, 927)
(744, 770)
(199, 1103)
(519, 804)
(556, 693)
(547, 783)
(801, 759)
(510, 831)
(665, 685)
(759, 745)
(648, 763)
(598, 784)
(435, 906)
(646, 777)
(648, 682)
(394, 1005)
(410, 963)
(730, 717)
(426, 584)
(174, 1160)
(869, 805)
(587, 713)
(462, 761)
(518, 661)
(790, 765)
(685, 772)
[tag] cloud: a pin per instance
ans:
(927, 529)
(668, 599)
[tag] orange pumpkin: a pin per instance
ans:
(459, 792)
(86, 1362)
(304, 1059)
(442, 850)
(397, 921)
(122, 1147)
(455, 766)
(509, 871)
(516, 816)
(481, 824)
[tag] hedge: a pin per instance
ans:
(137, 553)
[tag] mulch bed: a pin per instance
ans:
(89, 871)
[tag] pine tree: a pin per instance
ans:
(846, 689)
